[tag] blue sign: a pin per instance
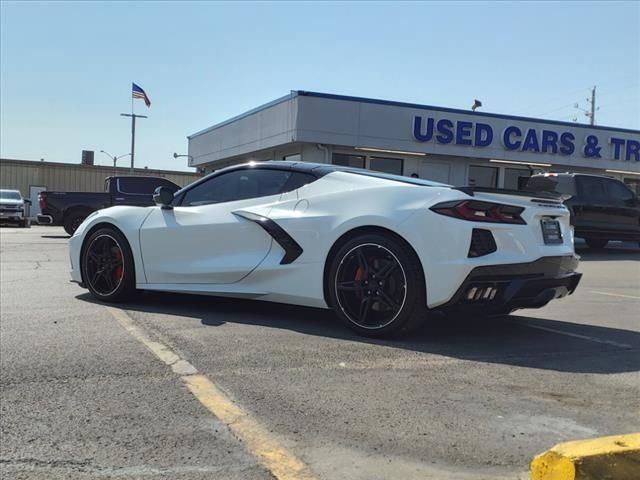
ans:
(476, 134)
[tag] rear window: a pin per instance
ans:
(552, 183)
(143, 185)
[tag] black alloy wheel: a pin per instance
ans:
(107, 266)
(377, 287)
(371, 286)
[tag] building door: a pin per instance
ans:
(436, 172)
(34, 190)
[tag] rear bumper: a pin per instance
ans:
(504, 288)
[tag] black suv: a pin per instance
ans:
(602, 208)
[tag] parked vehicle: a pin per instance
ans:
(602, 208)
(69, 209)
(12, 208)
(383, 251)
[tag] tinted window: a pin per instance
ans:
(237, 185)
(551, 183)
(143, 185)
(386, 165)
(356, 161)
(515, 178)
(297, 180)
(483, 176)
(592, 189)
(617, 191)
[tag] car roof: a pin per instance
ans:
(9, 190)
(321, 169)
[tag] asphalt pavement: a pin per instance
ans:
(81, 397)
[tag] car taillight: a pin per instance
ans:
(477, 211)
(42, 200)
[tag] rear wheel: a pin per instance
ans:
(107, 266)
(73, 221)
(596, 243)
(376, 286)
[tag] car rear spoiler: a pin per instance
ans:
(541, 195)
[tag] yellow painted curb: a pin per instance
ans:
(606, 458)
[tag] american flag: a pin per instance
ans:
(137, 92)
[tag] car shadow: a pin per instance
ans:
(55, 236)
(587, 254)
(515, 340)
(613, 251)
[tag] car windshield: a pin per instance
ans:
(10, 195)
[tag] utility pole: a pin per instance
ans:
(591, 113)
(593, 106)
(133, 133)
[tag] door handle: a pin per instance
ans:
(119, 198)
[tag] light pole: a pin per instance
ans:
(115, 159)
(175, 155)
(133, 132)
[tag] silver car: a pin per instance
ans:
(12, 208)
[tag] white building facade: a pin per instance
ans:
(446, 145)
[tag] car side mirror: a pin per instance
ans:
(163, 196)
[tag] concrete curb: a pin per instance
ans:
(605, 458)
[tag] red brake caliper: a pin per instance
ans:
(360, 274)
(119, 270)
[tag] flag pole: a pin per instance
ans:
(133, 129)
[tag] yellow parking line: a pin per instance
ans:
(280, 462)
(616, 295)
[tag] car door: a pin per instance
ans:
(200, 240)
(593, 213)
(623, 207)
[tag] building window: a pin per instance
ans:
(386, 165)
(483, 176)
(516, 178)
(345, 160)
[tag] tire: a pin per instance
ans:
(107, 266)
(73, 221)
(397, 304)
(596, 243)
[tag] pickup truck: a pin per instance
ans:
(69, 209)
(602, 208)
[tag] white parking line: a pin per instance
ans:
(615, 295)
(577, 335)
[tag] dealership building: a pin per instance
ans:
(460, 147)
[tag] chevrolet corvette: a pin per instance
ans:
(383, 251)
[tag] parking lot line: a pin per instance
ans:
(616, 295)
(577, 335)
(279, 461)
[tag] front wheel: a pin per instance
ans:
(107, 266)
(376, 286)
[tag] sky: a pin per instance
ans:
(66, 67)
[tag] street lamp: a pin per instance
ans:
(115, 159)
(175, 155)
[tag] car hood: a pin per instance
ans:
(11, 203)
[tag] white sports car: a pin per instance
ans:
(382, 251)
